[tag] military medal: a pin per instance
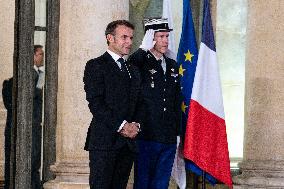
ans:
(174, 75)
(152, 71)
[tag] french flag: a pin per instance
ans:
(205, 138)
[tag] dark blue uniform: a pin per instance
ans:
(159, 114)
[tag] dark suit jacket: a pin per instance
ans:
(160, 105)
(7, 96)
(37, 100)
(36, 127)
(112, 98)
(7, 99)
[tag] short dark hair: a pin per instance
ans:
(36, 47)
(110, 29)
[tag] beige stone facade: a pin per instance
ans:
(81, 37)
(6, 64)
(263, 164)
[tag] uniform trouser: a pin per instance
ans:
(153, 166)
(110, 169)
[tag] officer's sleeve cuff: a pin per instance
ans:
(121, 126)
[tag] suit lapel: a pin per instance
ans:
(113, 69)
(111, 64)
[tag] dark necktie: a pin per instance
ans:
(160, 65)
(124, 67)
(122, 64)
(39, 72)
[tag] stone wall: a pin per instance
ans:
(263, 164)
(7, 16)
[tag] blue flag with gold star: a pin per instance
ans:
(187, 60)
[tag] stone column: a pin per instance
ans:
(81, 38)
(137, 9)
(263, 164)
(23, 91)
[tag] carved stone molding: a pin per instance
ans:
(263, 168)
(65, 168)
(69, 175)
(260, 174)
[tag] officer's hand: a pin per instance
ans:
(137, 125)
(148, 42)
(129, 130)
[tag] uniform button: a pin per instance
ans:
(165, 79)
(164, 89)
(164, 100)
(165, 109)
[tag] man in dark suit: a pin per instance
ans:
(160, 109)
(37, 116)
(37, 120)
(112, 88)
(7, 99)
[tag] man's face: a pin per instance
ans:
(121, 41)
(162, 42)
(38, 57)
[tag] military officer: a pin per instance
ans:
(159, 111)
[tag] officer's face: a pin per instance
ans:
(162, 42)
(121, 41)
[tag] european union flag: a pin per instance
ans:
(187, 60)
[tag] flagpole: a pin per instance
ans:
(195, 181)
(203, 180)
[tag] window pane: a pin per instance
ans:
(231, 42)
(39, 38)
(40, 13)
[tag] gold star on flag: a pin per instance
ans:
(188, 56)
(183, 107)
(181, 70)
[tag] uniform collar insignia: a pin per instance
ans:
(149, 55)
(152, 71)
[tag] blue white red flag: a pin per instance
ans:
(187, 61)
(205, 141)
